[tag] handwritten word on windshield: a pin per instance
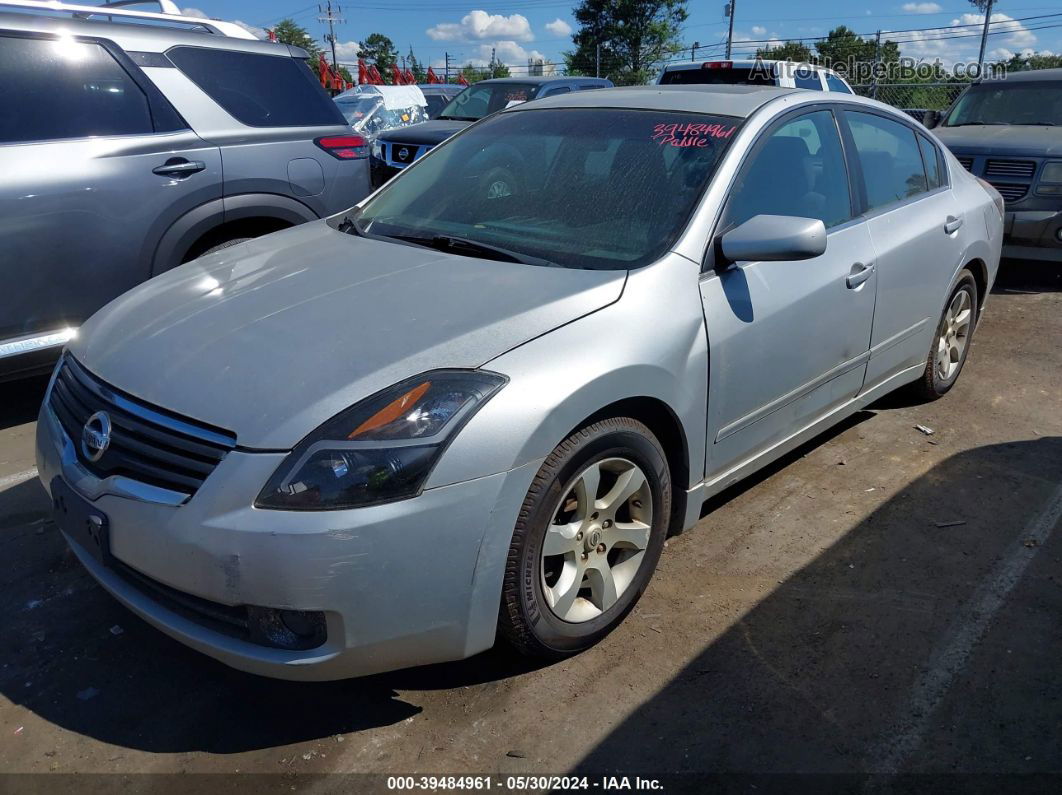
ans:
(691, 134)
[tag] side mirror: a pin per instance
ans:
(774, 238)
(931, 118)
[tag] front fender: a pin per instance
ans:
(649, 344)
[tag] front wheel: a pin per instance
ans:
(951, 343)
(587, 540)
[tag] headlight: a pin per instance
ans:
(381, 449)
(1052, 171)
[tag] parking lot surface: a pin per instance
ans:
(882, 600)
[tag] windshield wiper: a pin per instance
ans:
(456, 118)
(462, 245)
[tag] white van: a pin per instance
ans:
(759, 71)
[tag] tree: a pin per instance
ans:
(287, 32)
(416, 67)
(632, 36)
(790, 51)
(380, 50)
(1021, 63)
(846, 52)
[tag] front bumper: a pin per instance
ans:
(1033, 234)
(407, 583)
(380, 172)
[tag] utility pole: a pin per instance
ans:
(331, 16)
(984, 40)
(693, 50)
(877, 61)
(492, 54)
(597, 59)
(730, 33)
(447, 56)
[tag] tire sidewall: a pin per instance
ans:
(967, 283)
(552, 632)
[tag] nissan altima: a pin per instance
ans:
(457, 412)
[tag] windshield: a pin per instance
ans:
(483, 99)
(741, 75)
(580, 188)
(1009, 102)
(436, 103)
(356, 109)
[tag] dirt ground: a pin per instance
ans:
(881, 601)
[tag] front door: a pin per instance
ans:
(788, 341)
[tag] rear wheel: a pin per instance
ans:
(951, 343)
(587, 540)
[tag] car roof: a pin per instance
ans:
(1032, 75)
(538, 80)
(137, 36)
(721, 100)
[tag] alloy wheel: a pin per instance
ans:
(596, 540)
(954, 336)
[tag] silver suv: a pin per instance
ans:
(131, 142)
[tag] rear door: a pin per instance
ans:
(95, 167)
(913, 218)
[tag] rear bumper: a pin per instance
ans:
(1033, 234)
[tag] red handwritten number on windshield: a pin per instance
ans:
(690, 134)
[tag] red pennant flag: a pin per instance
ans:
(396, 76)
(432, 77)
(272, 35)
(374, 76)
(411, 79)
(322, 69)
(363, 73)
(461, 79)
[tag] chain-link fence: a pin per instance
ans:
(913, 98)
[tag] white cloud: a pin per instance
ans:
(558, 28)
(922, 8)
(940, 44)
(254, 30)
(347, 50)
(478, 25)
(758, 30)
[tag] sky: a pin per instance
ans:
(520, 29)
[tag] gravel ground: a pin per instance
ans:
(880, 601)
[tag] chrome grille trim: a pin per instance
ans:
(1020, 169)
(966, 162)
(147, 445)
(1010, 193)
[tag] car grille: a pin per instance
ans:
(966, 162)
(1010, 193)
(1010, 169)
(147, 444)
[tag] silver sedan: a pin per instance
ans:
(478, 402)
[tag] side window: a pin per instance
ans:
(557, 90)
(931, 161)
(806, 77)
(889, 156)
(836, 84)
(60, 88)
(258, 90)
(797, 170)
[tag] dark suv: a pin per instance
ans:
(396, 149)
(131, 142)
(1009, 132)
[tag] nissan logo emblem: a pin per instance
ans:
(96, 436)
(403, 153)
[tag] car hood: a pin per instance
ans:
(1002, 140)
(427, 133)
(273, 337)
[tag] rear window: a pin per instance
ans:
(259, 90)
(720, 76)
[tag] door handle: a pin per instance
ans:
(952, 224)
(178, 168)
(859, 274)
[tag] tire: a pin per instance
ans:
(952, 339)
(499, 182)
(538, 614)
(226, 244)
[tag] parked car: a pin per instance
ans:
(377, 440)
(394, 151)
(371, 110)
(1009, 131)
(439, 96)
(757, 71)
(115, 129)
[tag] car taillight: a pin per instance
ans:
(717, 64)
(344, 147)
(996, 198)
